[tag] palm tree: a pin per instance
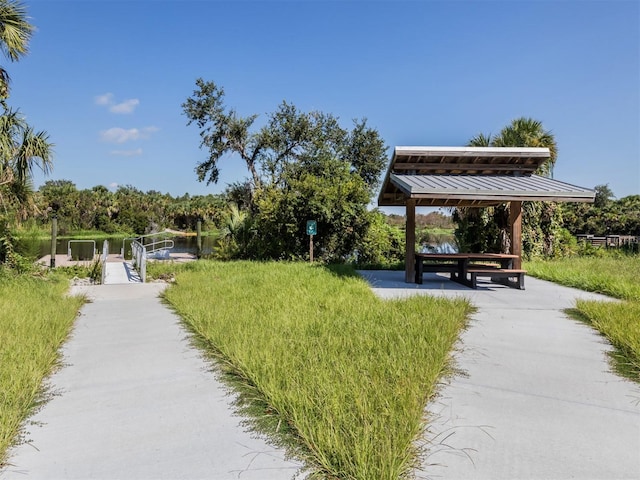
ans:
(15, 33)
(21, 149)
(488, 227)
(522, 132)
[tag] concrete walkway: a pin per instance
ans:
(136, 401)
(120, 272)
(537, 399)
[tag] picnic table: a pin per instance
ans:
(466, 268)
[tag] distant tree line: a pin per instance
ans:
(125, 210)
(606, 216)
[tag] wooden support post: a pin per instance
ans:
(410, 242)
(515, 224)
(54, 240)
(199, 239)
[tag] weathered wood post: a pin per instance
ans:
(54, 234)
(199, 239)
(515, 223)
(410, 242)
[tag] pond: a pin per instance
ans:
(85, 248)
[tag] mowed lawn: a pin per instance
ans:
(338, 375)
(616, 276)
(35, 319)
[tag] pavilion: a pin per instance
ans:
(471, 177)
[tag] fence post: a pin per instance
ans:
(199, 239)
(54, 233)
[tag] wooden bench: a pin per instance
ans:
(498, 275)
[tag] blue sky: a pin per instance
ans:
(106, 79)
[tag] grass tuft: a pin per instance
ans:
(342, 375)
(616, 276)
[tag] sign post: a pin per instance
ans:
(312, 229)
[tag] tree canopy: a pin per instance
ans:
(302, 166)
(289, 136)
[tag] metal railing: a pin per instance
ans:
(103, 259)
(153, 247)
(80, 241)
(139, 259)
(159, 246)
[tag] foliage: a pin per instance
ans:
(332, 195)
(344, 375)
(35, 318)
(605, 216)
(127, 210)
(235, 234)
(15, 34)
(303, 166)
(221, 131)
(486, 229)
(382, 245)
(21, 147)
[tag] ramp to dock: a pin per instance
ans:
(120, 272)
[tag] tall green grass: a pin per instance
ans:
(35, 318)
(616, 276)
(345, 374)
(620, 323)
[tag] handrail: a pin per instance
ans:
(105, 255)
(139, 259)
(69, 257)
(140, 239)
(167, 244)
(124, 241)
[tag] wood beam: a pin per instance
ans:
(515, 224)
(410, 241)
(464, 166)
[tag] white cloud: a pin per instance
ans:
(121, 135)
(128, 106)
(127, 153)
(114, 185)
(104, 99)
(107, 100)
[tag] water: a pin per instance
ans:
(84, 249)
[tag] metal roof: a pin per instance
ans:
(472, 176)
(482, 190)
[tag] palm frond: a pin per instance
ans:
(481, 140)
(15, 30)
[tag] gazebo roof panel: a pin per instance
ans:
(480, 190)
(452, 172)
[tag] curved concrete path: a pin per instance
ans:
(537, 399)
(136, 401)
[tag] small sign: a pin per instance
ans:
(312, 227)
